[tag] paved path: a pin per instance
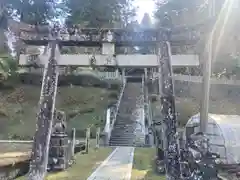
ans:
(117, 166)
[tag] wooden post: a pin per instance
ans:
(73, 140)
(87, 139)
(123, 75)
(97, 137)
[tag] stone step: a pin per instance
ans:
(125, 122)
(124, 130)
(121, 124)
(125, 139)
(124, 118)
(127, 144)
(123, 133)
(121, 142)
(122, 137)
(126, 126)
(130, 138)
(129, 135)
(122, 127)
(122, 145)
(119, 135)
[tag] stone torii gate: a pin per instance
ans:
(107, 40)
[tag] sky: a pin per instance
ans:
(144, 6)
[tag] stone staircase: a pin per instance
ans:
(129, 127)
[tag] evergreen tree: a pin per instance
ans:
(146, 21)
(99, 13)
(3, 28)
(35, 11)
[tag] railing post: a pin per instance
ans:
(123, 75)
(87, 143)
(73, 140)
(97, 137)
(117, 74)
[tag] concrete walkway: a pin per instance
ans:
(117, 166)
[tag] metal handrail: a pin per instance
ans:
(108, 121)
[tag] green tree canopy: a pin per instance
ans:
(98, 13)
(34, 11)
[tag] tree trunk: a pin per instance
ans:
(3, 43)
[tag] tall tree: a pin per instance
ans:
(27, 11)
(36, 11)
(3, 26)
(186, 12)
(193, 12)
(98, 13)
(8, 67)
(146, 21)
(176, 9)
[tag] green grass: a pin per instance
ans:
(84, 106)
(14, 147)
(83, 167)
(187, 107)
(143, 165)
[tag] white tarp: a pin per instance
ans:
(223, 132)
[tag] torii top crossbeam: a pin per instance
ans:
(107, 40)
